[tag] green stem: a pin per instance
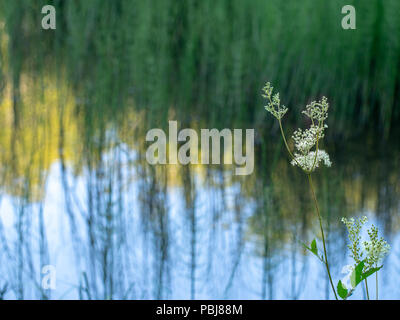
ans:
(376, 284)
(366, 288)
(287, 147)
(322, 233)
(284, 138)
(283, 134)
(320, 124)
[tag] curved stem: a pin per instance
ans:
(366, 288)
(283, 134)
(284, 138)
(322, 233)
(287, 147)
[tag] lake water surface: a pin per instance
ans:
(77, 193)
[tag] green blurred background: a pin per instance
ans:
(212, 57)
(76, 103)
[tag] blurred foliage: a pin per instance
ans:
(84, 96)
(208, 60)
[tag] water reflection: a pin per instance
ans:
(116, 228)
(77, 192)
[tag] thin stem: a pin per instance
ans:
(283, 134)
(322, 233)
(366, 288)
(320, 124)
(287, 147)
(376, 284)
(284, 138)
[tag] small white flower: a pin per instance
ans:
(317, 110)
(354, 227)
(304, 140)
(346, 280)
(309, 162)
(376, 248)
(274, 102)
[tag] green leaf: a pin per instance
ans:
(314, 248)
(341, 290)
(371, 271)
(356, 275)
(314, 244)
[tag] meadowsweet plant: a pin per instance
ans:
(367, 256)
(354, 227)
(304, 140)
(308, 155)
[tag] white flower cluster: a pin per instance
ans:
(354, 229)
(274, 102)
(309, 161)
(317, 110)
(375, 248)
(305, 140)
(373, 251)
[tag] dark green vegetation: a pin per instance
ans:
(209, 59)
